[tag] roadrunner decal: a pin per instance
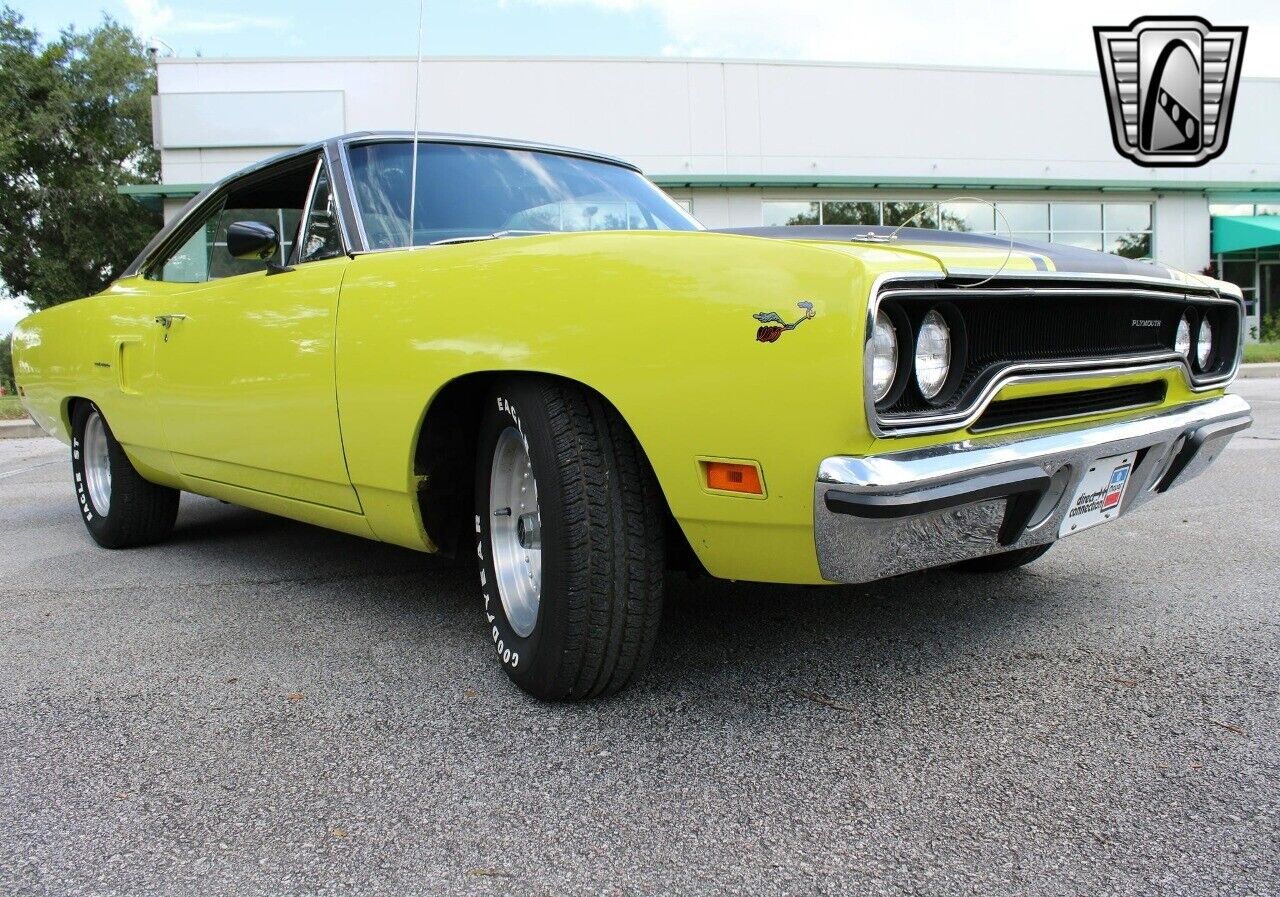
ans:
(772, 326)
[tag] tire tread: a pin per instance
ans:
(614, 540)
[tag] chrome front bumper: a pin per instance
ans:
(889, 514)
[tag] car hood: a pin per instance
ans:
(958, 252)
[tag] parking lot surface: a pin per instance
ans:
(261, 707)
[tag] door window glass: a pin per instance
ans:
(189, 263)
(275, 199)
(283, 221)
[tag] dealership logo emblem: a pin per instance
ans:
(1171, 87)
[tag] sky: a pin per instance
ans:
(977, 32)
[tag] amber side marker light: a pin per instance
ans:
(728, 477)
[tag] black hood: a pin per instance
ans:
(1067, 259)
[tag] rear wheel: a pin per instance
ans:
(119, 508)
(1006, 560)
(570, 540)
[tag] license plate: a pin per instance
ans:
(1100, 494)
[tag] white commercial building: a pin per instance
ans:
(747, 143)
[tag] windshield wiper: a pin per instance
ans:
(496, 235)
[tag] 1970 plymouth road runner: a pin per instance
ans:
(543, 361)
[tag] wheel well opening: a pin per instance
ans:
(69, 412)
(444, 461)
(444, 464)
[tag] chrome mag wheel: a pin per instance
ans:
(515, 527)
(97, 463)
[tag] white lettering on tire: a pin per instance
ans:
(504, 653)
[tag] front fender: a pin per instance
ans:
(663, 326)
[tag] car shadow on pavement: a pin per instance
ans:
(719, 641)
(821, 641)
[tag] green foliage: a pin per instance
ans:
(1270, 327)
(6, 362)
(75, 123)
(1255, 352)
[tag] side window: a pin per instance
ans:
(189, 263)
(275, 198)
(283, 221)
(276, 201)
(321, 238)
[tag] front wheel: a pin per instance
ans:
(569, 538)
(119, 508)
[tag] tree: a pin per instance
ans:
(6, 362)
(75, 123)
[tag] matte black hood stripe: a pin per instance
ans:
(1067, 259)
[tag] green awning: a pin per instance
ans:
(1232, 233)
(153, 195)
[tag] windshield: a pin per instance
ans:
(475, 191)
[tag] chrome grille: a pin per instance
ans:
(1018, 327)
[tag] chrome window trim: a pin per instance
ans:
(470, 140)
(920, 424)
(356, 217)
(305, 223)
(337, 184)
(304, 227)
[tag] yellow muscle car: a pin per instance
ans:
(529, 353)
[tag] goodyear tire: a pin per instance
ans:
(1006, 560)
(119, 507)
(569, 535)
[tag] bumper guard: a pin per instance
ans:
(884, 515)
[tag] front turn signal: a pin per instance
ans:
(727, 477)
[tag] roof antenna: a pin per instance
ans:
(417, 89)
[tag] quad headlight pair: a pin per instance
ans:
(1182, 343)
(933, 351)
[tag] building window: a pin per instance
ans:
(1121, 228)
(911, 214)
(851, 213)
(779, 214)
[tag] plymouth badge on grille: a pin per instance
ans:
(1171, 86)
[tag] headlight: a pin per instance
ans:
(884, 355)
(933, 354)
(1182, 342)
(1204, 344)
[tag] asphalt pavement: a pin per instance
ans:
(261, 707)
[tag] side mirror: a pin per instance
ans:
(252, 240)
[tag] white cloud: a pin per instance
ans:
(981, 32)
(152, 18)
(149, 17)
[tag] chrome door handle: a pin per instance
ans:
(166, 321)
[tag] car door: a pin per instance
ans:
(245, 369)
